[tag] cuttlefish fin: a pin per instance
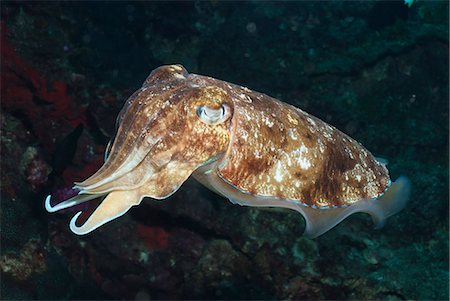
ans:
(319, 221)
(394, 200)
(116, 204)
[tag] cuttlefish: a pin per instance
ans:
(244, 145)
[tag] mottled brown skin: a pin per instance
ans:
(280, 151)
(245, 145)
(272, 148)
(159, 122)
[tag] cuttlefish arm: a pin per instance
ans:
(146, 156)
(76, 200)
(117, 202)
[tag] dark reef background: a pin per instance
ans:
(376, 70)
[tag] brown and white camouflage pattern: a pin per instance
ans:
(265, 149)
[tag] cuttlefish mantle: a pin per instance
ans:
(250, 148)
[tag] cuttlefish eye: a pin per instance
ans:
(213, 116)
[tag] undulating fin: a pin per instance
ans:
(392, 202)
(319, 221)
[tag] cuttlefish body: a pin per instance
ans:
(248, 147)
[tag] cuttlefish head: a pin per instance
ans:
(166, 130)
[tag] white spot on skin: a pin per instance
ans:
(152, 140)
(304, 163)
(321, 146)
(165, 104)
(279, 172)
(178, 75)
(245, 98)
(312, 122)
(268, 122)
(301, 155)
(291, 120)
(289, 162)
(293, 134)
(349, 152)
(244, 135)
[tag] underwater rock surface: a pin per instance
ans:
(378, 71)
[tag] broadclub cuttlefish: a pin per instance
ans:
(244, 145)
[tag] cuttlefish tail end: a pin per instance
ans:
(116, 204)
(394, 200)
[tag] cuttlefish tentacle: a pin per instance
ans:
(78, 199)
(116, 204)
(159, 185)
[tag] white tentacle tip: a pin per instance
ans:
(74, 228)
(48, 206)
